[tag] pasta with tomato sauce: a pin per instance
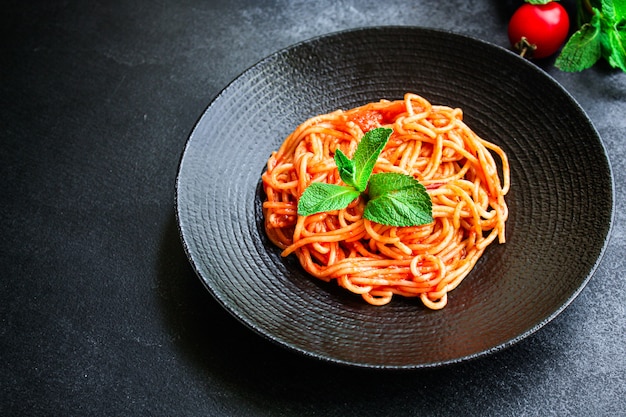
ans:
(429, 142)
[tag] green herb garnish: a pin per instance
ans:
(602, 34)
(398, 199)
(394, 199)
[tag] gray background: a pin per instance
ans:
(100, 312)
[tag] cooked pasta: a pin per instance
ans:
(429, 142)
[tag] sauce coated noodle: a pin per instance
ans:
(430, 142)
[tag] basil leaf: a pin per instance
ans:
(367, 153)
(319, 197)
(398, 200)
(346, 167)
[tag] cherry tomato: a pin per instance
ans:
(541, 28)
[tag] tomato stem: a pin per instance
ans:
(523, 46)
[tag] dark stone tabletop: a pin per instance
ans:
(100, 310)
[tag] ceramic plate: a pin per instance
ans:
(561, 198)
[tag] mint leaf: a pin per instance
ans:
(602, 34)
(346, 167)
(614, 10)
(607, 9)
(367, 153)
(616, 52)
(398, 200)
(620, 9)
(320, 196)
(613, 19)
(395, 199)
(583, 49)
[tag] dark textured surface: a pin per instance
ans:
(559, 173)
(100, 311)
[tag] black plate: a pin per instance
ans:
(561, 198)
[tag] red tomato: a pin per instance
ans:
(544, 26)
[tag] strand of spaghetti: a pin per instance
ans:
(434, 304)
(378, 298)
(346, 283)
(506, 180)
(334, 236)
(376, 236)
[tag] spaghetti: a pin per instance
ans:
(429, 142)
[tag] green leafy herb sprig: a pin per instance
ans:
(393, 199)
(602, 34)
